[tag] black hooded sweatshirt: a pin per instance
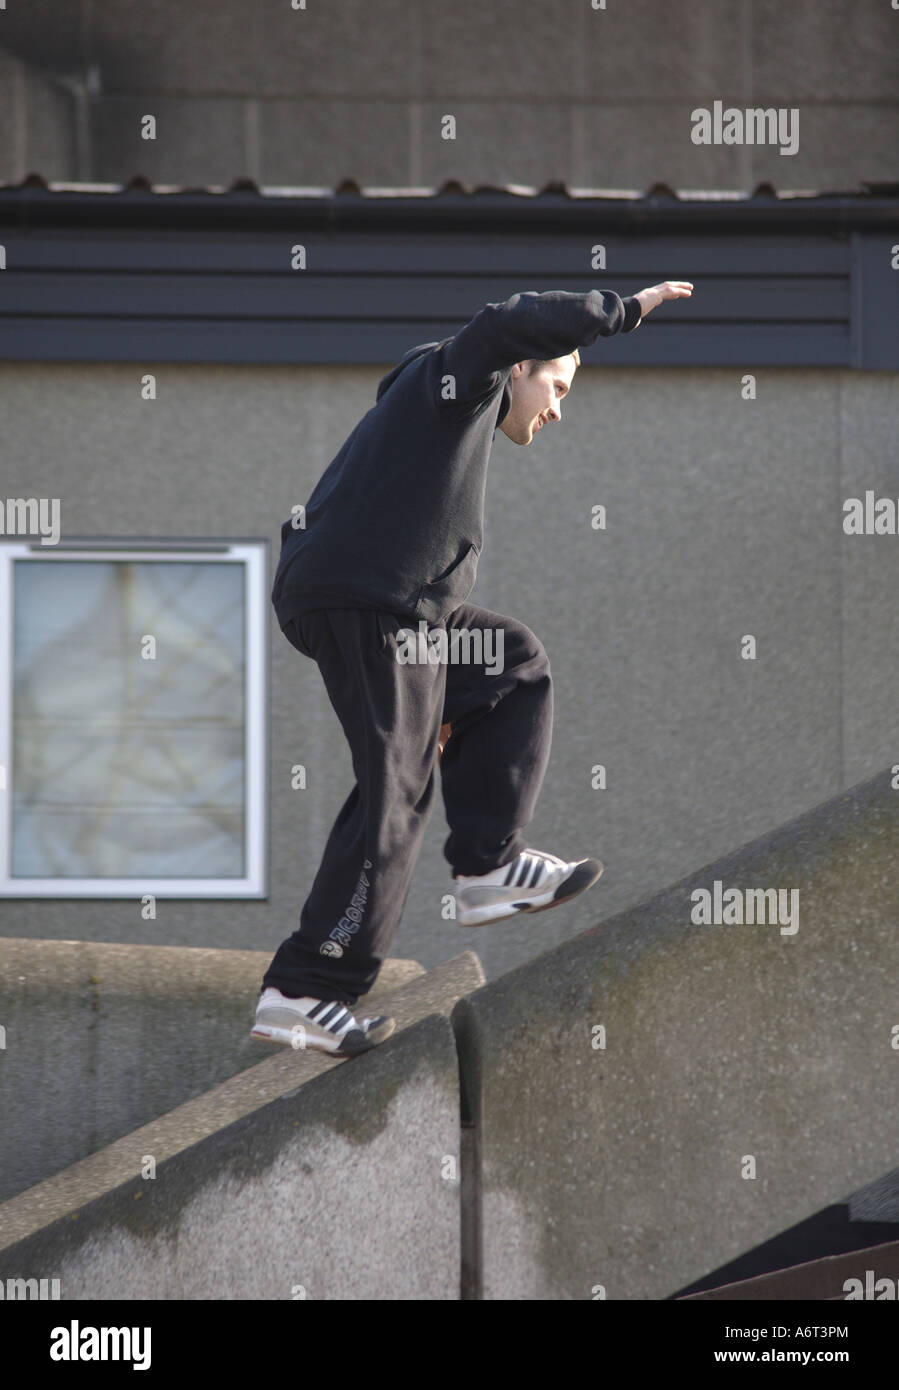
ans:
(396, 520)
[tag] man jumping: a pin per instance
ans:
(385, 560)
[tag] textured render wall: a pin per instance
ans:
(623, 1159)
(102, 1038)
(301, 1178)
(724, 517)
(595, 97)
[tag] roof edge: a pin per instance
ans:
(35, 203)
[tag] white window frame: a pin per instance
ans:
(253, 555)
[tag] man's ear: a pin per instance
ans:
(518, 370)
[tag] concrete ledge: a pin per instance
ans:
(340, 1177)
(102, 1038)
(619, 1160)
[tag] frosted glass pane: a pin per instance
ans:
(125, 766)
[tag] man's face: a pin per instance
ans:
(536, 397)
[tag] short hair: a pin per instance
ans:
(535, 362)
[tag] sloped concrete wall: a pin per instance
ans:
(657, 1096)
(639, 1106)
(332, 1190)
(300, 1178)
(99, 1039)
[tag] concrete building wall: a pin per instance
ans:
(595, 96)
(724, 519)
(37, 118)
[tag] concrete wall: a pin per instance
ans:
(616, 1119)
(598, 97)
(99, 1039)
(724, 517)
(38, 121)
(743, 1080)
(300, 1179)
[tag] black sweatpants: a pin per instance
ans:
(491, 771)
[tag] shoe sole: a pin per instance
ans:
(350, 1045)
(583, 877)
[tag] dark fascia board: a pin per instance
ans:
(196, 276)
(33, 205)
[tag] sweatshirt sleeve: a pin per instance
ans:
(530, 325)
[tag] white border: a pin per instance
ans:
(253, 885)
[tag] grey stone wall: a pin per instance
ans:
(99, 1039)
(661, 1095)
(724, 518)
(37, 118)
(614, 1120)
(302, 1179)
(597, 97)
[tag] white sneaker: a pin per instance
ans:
(324, 1025)
(530, 883)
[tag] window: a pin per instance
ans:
(132, 731)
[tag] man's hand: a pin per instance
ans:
(669, 289)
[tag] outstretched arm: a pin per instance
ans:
(532, 325)
(552, 324)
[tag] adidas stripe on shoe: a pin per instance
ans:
(531, 883)
(323, 1025)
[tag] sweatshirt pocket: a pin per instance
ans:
(450, 588)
